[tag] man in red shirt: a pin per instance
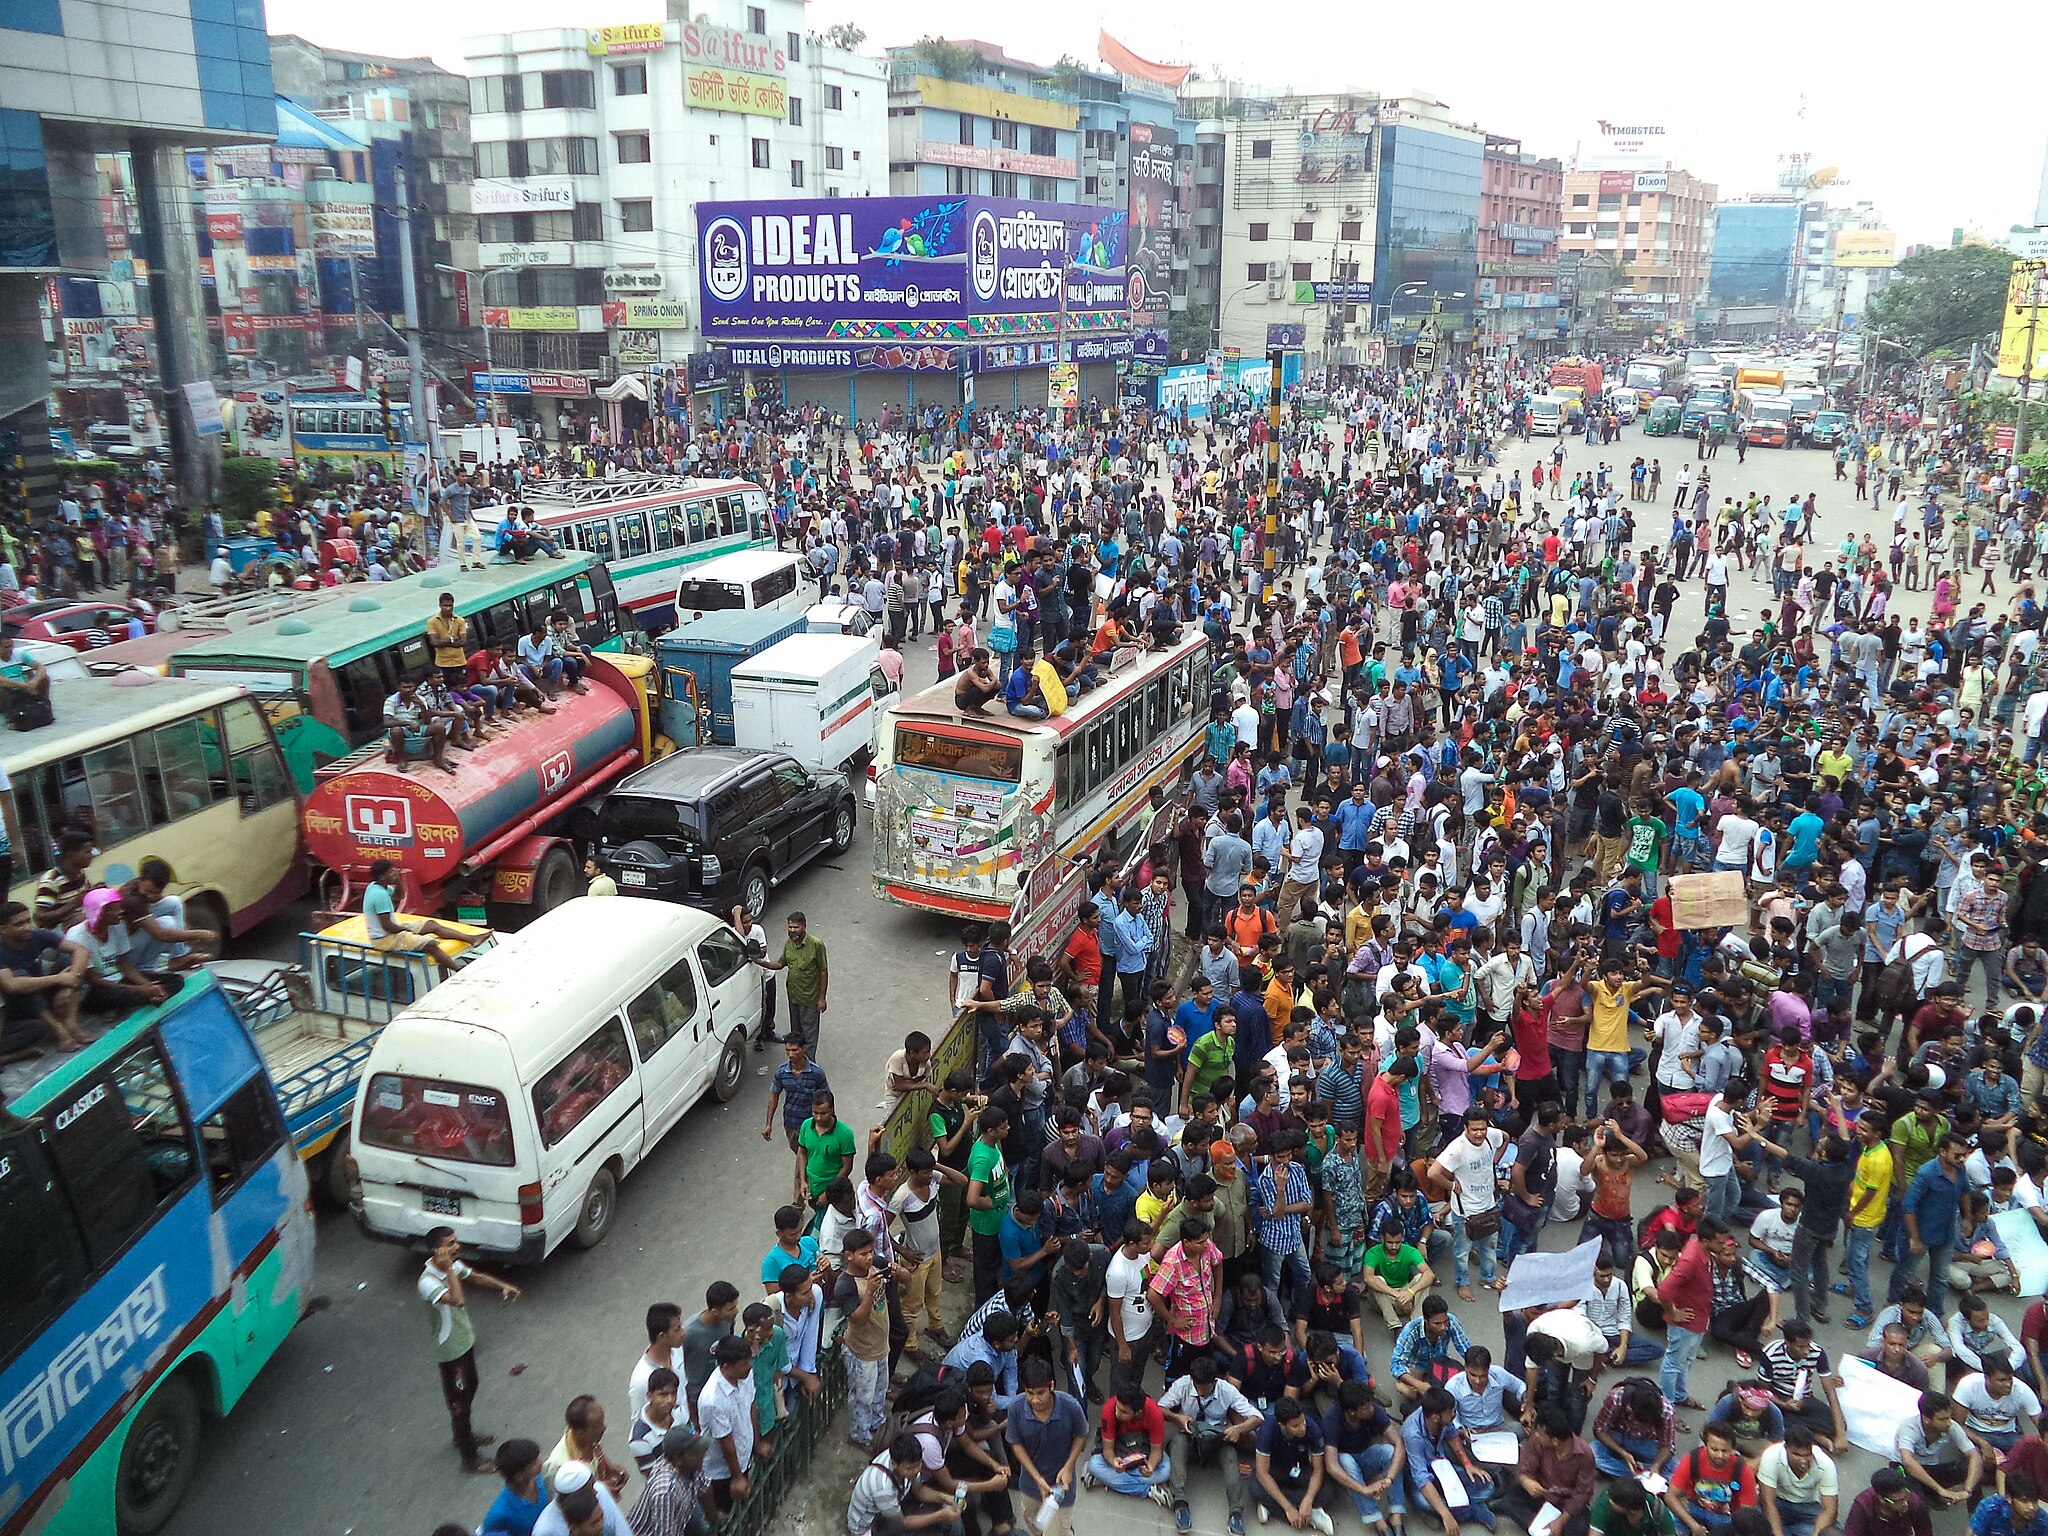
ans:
(1687, 1296)
(1380, 1137)
(1664, 924)
(1132, 1458)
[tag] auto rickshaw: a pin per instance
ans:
(1665, 413)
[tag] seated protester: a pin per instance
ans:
(1330, 1305)
(1405, 1212)
(1288, 1468)
(110, 977)
(1942, 1461)
(415, 730)
(657, 1416)
(1624, 1509)
(1797, 1373)
(487, 672)
(570, 646)
(535, 536)
(1710, 1483)
(1750, 1416)
(1557, 1372)
(158, 939)
(463, 719)
(1888, 1507)
(1682, 1215)
(1395, 1275)
(1430, 1434)
(1247, 1312)
(1321, 1366)
(976, 685)
(1981, 1262)
(1609, 1310)
(1737, 1316)
(1555, 1468)
(1924, 1333)
(891, 1492)
(42, 977)
(1261, 1371)
(1996, 1407)
(1975, 1335)
(1362, 1456)
(1488, 1397)
(1797, 1485)
(1207, 1419)
(1023, 693)
(390, 930)
(1636, 1430)
(1648, 1272)
(1895, 1360)
(1428, 1350)
(961, 1466)
(1770, 1250)
(1131, 1454)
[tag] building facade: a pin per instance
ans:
(1756, 251)
(1426, 258)
(965, 117)
(592, 149)
(1521, 206)
(1653, 233)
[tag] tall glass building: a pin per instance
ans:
(1756, 247)
(1426, 245)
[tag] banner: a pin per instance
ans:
(544, 317)
(1154, 199)
(555, 194)
(633, 37)
(1866, 248)
(1125, 62)
(910, 268)
(1063, 384)
(725, 70)
(654, 314)
(777, 356)
(343, 229)
(2025, 295)
(1617, 181)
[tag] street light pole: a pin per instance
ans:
(483, 294)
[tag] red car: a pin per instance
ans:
(82, 626)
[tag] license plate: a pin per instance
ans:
(441, 1202)
(632, 877)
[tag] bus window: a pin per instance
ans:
(32, 793)
(678, 520)
(1125, 724)
(631, 529)
(322, 419)
(412, 656)
(1178, 681)
(1098, 736)
(757, 516)
(260, 778)
(240, 1137)
(123, 1150)
(498, 624)
(663, 522)
(178, 782)
(732, 514)
(45, 1266)
(363, 692)
(581, 1081)
(595, 538)
(1155, 707)
(1063, 776)
(694, 512)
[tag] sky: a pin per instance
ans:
(1909, 117)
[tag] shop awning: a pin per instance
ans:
(626, 386)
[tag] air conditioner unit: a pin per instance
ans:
(1275, 270)
(1274, 290)
(1352, 209)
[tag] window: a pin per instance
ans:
(757, 20)
(123, 1151)
(1301, 271)
(629, 80)
(796, 111)
(967, 128)
(632, 534)
(796, 47)
(1351, 229)
(664, 1010)
(116, 794)
(179, 781)
(1304, 229)
(260, 779)
(1262, 149)
(241, 1137)
(796, 173)
(835, 158)
(564, 1098)
(45, 1265)
(835, 98)
(1256, 233)
(1255, 272)
(633, 148)
(586, 221)
(764, 154)
(1045, 141)
(723, 957)
(636, 216)
(1581, 200)
(567, 88)
(775, 586)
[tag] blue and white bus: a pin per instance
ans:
(155, 1249)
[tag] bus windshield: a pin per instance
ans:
(1645, 376)
(952, 754)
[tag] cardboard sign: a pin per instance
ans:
(1717, 900)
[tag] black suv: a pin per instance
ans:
(719, 826)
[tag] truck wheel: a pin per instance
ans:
(331, 1178)
(842, 827)
(555, 881)
(754, 890)
(600, 1209)
(158, 1459)
(732, 1068)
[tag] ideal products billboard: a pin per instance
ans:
(910, 268)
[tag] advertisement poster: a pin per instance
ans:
(910, 269)
(343, 229)
(978, 802)
(1154, 200)
(1063, 385)
(933, 836)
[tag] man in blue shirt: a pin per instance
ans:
(1022, 696)
(1805, 832)
(996, 1343)
(1130, 936)
(1354, 825)
(1025, 1247)
(1932, 1213)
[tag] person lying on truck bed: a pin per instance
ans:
(415, 730)
(392, 931)
(41, 1000)
(488, 670)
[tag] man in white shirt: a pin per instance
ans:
(1723, 1133)
(1304, 866)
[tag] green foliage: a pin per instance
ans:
(246, 485)
(844, 34)
(1944, 299)
(947, 60)
(1188, 332)
(2033, 470)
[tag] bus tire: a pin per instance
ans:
(158, 1459)
(555, 881)
(208, 912)
(600, 1209)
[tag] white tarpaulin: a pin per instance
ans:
(1546, 1279)
(1874, 1405)
(2022, 1239)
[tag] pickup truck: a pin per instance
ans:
(315, 1021)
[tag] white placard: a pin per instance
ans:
(2024, 1245)
(205, 407)
(1497, 1447)
(1546, 1517)
(1452, 1484)
(1545, 1279)
(1874, 1406)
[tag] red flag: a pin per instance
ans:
(1122, 60)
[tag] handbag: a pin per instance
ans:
(1482, 1224)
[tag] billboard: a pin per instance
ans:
(343, 229)
(2024, 324)
(632, 37)
(555, 193)
(910, 268)
(1154, 199)
(725, 70)
(1866, 248)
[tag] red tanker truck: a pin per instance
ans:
(504, 827)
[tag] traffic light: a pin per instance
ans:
(384, 406)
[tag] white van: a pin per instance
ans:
(817, 697)
(1546, 415)
(755, 579)
(510, 1101)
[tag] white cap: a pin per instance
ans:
(573, 1477)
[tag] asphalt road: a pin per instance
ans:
(345, 1430)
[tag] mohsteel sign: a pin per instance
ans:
(910, 268)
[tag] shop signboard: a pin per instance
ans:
(655, 314)
(781, 356)
(631, 282)
(1359, 292)
(343, 229)
(553, 194)
(632, 37)
(1100, 349)
(910, 268)
(726, 70)
(539, 317)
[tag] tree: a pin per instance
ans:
(844, 34)
(247, 484)
(1948, 298)
(947, 60)
(1066, 74)
(1188, 332)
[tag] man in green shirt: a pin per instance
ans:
(771, 1364)
(1395, 1277)
(809, 977)
(1647, 834)
(1210, 1058)
(825, 1143)
(1622, 1508)
(988, 1199)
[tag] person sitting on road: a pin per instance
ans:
(392, 932)
(415, 729)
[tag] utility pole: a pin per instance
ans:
(2030, 291)
(1276, 358)
(415, 352)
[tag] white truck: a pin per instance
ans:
(817, 697)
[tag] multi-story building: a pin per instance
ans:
(965, 117)
(1426, 249)
(1653, 230)
(1846, 255)
(1288, 186)
(82, 78)
(592, 149)
(1756, 254)
(1521, 205)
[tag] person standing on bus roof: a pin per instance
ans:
(443, 1286)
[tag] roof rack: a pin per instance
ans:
(222, 613)
(604, 493)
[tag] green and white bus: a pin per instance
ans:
(645, 529)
